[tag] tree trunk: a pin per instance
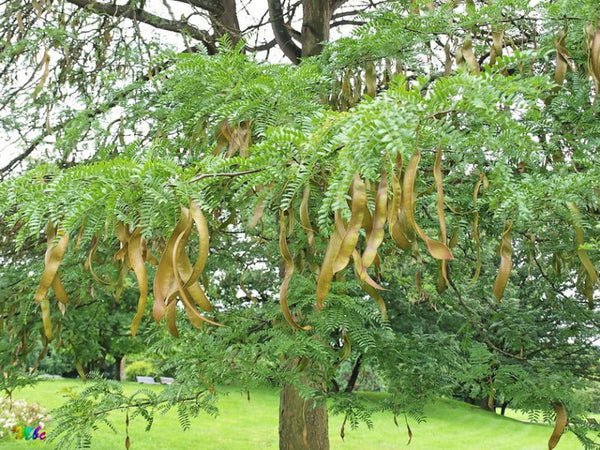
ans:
(301, 426)
(483, 403)
(315, 26)
(121, 369)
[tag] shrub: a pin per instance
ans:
(139, 368)
(20, 413)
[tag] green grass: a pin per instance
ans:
(253, 425)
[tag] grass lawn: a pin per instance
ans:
(253, 425)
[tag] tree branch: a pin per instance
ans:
(128, 12)
(281, 32)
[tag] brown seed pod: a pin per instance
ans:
(136, 260)
(436, 249)
(377, 232)
(52, 260)
(505, 262)
(305, 218)
(560, 425)
(350, 239)
(288, 273)
(326, 272)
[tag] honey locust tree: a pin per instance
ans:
(407, 158)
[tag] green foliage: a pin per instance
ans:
(139, 368)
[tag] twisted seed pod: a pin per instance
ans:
(436, 249)
(59, 290)
(497, 44)
(165, 287)
(377, 232)
(505, 262)
(437, 174)
(46, 321)
(476, 232)
(183, 292)
(52, 260)
(395, 213)
(350, 239)
(326, 272)
(592, 275)
(136, 260)
(289, 272)
(89, 262)
(559, 427)
(305, 218)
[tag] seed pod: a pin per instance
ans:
(203, 242)
(378, 299)
(497, 44)
(348, 244)
(165, 286)
(347, 347)
(326, 272)
(505, 262)
(363, 275)
(562, 60)
(90, 259)
(436, 249)
(183, 292)
(476, 232)
(370, 80)
(171, 318)
(377, 232)
(469, 56)
(136, 260)
(594, 59)
(305, 218)
(579, 241)
(259, 210)
(45, 306)
(52, 259)
(289, 272)
(59, 290)
(395, 221)
(437, 174)
(121, 279)
(559, 427)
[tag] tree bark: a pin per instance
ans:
(121, 369)
(302, 425)
(315, 26)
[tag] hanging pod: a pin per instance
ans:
(497, 44)
(136, 260)
(326, 272)
(475, 231)
(377, 233)
(350, 239)
(437, 174)
(89, 263)
(288, 273)
(175, 275)
(559, 426)
(305, 218)
(505, 262)
(370, 80)
(396, 217)
(562, 60)
(52, 259)
(436, 249)
(50, 278)
(590, 270)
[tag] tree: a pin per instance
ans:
(394, 178)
